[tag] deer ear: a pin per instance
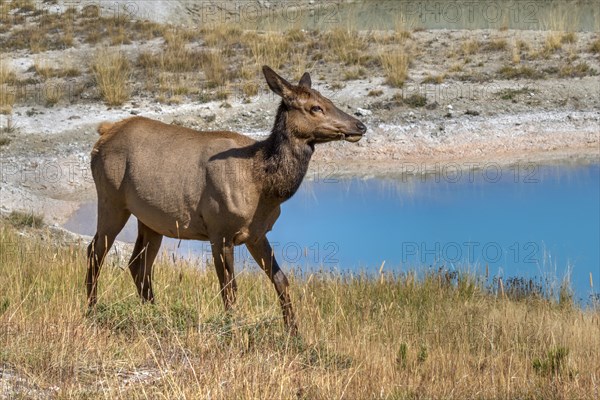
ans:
(305, 80)
(277, 84)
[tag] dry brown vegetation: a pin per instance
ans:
(7, 97)
(202, 64)
(395, 64)
(443, 336)
(112, 71)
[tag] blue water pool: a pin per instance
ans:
(534, 222)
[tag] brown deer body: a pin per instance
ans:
(217, 186)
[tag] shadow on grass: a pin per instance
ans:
(129, 317)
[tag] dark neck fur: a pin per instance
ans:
(284, 160)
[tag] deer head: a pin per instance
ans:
(310, 117)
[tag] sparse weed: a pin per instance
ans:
(214, 69)
(522, 45)
(568, 37)
(346, 45)
(112, 72)
(523, 71)
(21, 219)
(7, 75)
(270, 48)
(578, 70)
(594, 47)
(7, 99)
(496, 45)
(415, 100)
(436, 79)
(222, 35)
(469, 47)
(511, 94)
(552, 43)
(354, 73)
(456, 67)
(395, 65)
(516, 55)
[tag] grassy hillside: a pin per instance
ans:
(389, 337)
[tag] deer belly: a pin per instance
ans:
(169, 218)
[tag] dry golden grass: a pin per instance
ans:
(469, 47)
(496, 45)
(552, 43)
(176, 38)
(345, 45)
(174, 85)
(172, 59)
(222, 34)
(437, 79)
(390, 337)
(68, 38)
(44, 70)
(249, 89)
(516, 53)
(395, 65)
(118, 35)
(215, 69)
(7, 75)
(354, 73)
(300, 62)
(269, 48)
(7, 95)
(456, 67)
(579, 70)
(111, 72)
(296, 35)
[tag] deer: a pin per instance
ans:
(217, 186)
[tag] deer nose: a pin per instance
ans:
(361, 127)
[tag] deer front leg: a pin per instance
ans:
(262, 253)
(223, 258)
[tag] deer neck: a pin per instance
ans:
(284, 159)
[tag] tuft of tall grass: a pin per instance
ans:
(395, 65)
(522, 71)
(470, 47)
(594, 47)
(496, 45)
(578, 70)
(214, 67)
(22, 219)
(43, 69)
(221, 34)
(7, 74)
(111, 72)
(346, 45)
(270, 48)
(7, 95)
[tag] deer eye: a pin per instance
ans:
(316, 109)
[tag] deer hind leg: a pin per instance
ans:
(110, 223)
(223, 258)
(262, 253)
(140, 265)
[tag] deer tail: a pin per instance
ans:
(104, 127)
